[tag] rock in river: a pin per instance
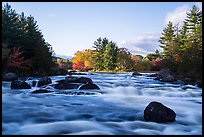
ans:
(72, 82)
(83, 80)
(136, 74)
(20, 85)
(89, 86)
(157, 112)
(165, 75)
(66, 85)
(44, 81)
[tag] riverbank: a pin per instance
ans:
(171, 77)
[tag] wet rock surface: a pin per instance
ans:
(136, 74)
(44, 81)
(157, 112)
(66, 85)
(83, 80)
(20, 85)
(89, 86)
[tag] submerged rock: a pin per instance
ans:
(20, 85)
(10, 77)
(157, 112)
(44, 81)
(89, 86)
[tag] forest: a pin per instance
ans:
(26, 53)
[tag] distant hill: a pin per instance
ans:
(62, 57)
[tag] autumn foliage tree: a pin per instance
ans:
(79, 65)
(82, 60)
(16, 61)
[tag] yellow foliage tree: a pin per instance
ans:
(84, 57)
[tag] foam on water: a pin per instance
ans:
(115, 109)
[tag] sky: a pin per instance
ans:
(74, 26)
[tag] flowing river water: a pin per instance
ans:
(116, 109)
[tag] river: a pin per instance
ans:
(116, 109)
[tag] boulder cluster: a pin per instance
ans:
(73, 82)
(70, 82)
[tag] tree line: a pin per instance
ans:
(107, 56)
(25, 51)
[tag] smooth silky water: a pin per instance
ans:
(116, 109)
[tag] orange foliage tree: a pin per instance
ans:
(82, 60)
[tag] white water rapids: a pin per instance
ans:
(116, 109)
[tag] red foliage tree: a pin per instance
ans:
(15, 59)
(157, 63)
(79, 65)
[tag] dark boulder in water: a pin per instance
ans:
(72, 82)
(189, 81)
(152, 75)
(136, 74)
(20, 85)
(83, 80)
(71, 79)
(41, 91)
(89, 86)
(157, 112)
(44, 81)
(66, 85)
(165, 75)
(10, 77)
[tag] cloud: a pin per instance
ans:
(146, 43)
(177, 16)
(142, 44)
